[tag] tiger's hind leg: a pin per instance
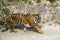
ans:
(12, 29)
(15, 29)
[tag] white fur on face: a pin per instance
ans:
(34, 20)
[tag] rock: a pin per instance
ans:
(45, 3)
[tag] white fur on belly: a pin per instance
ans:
(27, 25)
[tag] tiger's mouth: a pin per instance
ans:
(37, 21)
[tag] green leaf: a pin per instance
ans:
(1, 22)
(10, 0)
(5, 11)
(51, 1)
(38, 1)
(25, 0)
(29, 2)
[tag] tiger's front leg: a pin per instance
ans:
(33, 25)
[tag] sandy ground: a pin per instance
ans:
(51, 32)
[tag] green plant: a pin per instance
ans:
(38, 1)
(51, 1)
(29, 2)
(25, 0)
(10, 0)
(5, 11)
(1, 22)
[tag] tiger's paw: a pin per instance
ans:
(15, 30)
(41, 32)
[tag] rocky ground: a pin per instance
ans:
(50, 14)
(51, 32)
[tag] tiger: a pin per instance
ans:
(25, 19)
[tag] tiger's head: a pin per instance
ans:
(37, 18)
